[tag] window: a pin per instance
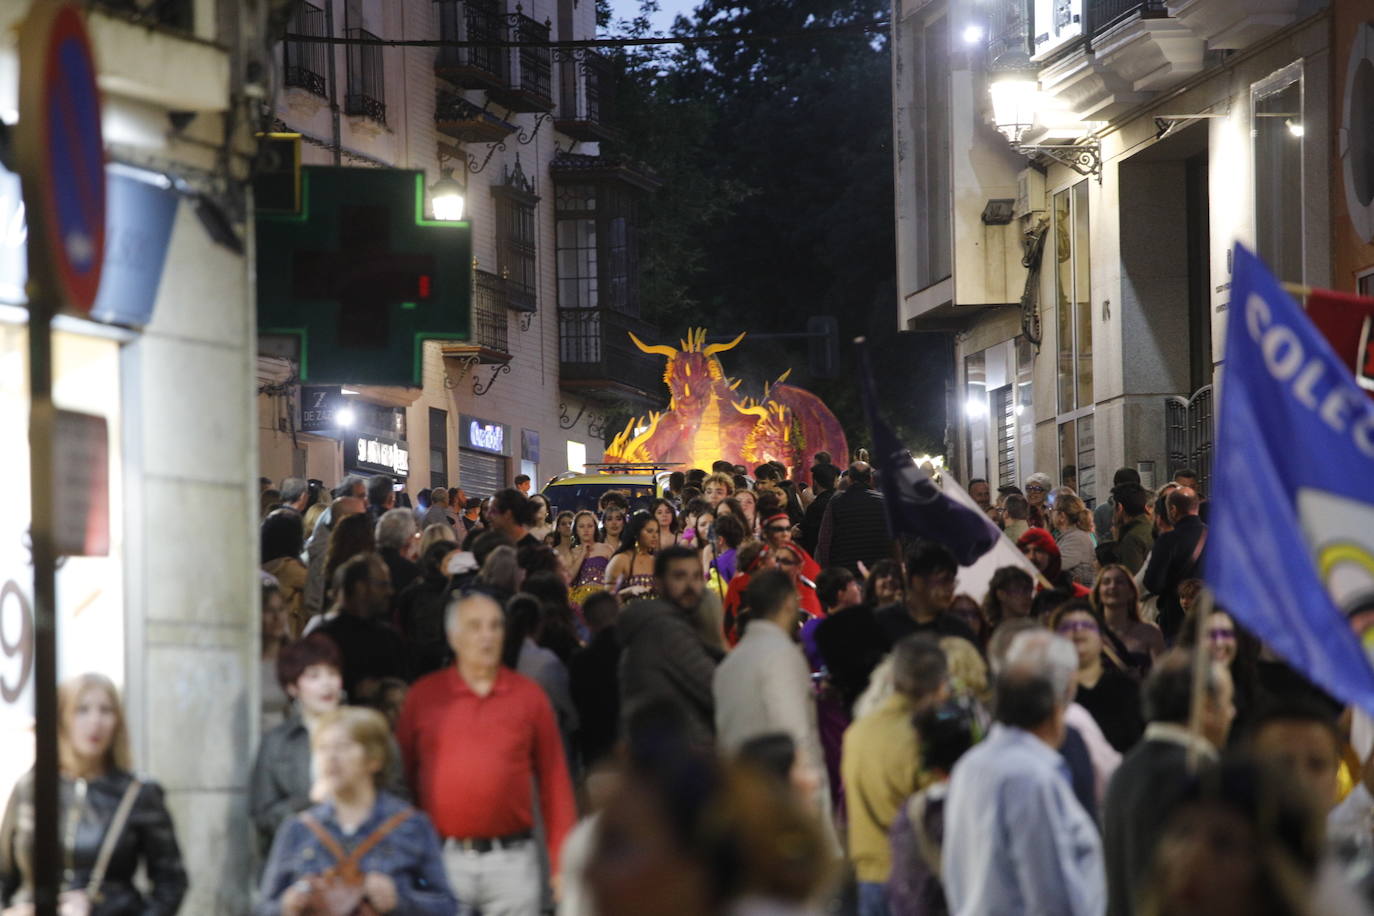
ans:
(1278, 137)
(1003, 407)
(1074, 326)
(306, 62)
(1025, 410)
(515, 238)
(438, 447)
(930, 113)
(1073, 298)
(366, 88)
(597, 238)
(576, 239)
(976, 412)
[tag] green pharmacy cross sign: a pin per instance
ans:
(361, 277)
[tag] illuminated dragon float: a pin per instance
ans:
(708, 421)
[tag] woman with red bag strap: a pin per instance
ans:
(361, 851)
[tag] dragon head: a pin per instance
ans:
(692, 371)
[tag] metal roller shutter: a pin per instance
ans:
(480, 474)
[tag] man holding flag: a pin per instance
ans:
(1296, 568)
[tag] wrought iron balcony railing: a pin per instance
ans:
(490, 321)
(529, 83)
(595, 352)
(366, 94)
(1103, 14)
(305, 62)
(586, 96)
(176, 14)
(462, 120)
(478, 67)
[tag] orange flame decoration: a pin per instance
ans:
(706, 421)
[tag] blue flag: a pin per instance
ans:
(1291, 549)
(915, 505)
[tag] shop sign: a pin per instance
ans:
(484, 436)
(529, 445)
(1054, 24)
(320, 407)
(380, 454)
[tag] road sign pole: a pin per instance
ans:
(47, 848)
(61, 160)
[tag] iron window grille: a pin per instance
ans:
(176, 14)
(533, 66)
(515, 238)
(490, 323)
(586, 90)
(305, 62)
(472, 20)
(366, 94)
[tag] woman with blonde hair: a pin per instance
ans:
(435, 533)
(1116, 596)
(1073, 524)
(358, 842)
(112, 823)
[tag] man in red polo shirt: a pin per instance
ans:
(472, 736)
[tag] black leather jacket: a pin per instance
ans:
(148, 838)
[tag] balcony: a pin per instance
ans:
(490, 323)
(586, 97)
(529, 84)
(172, 14)
(1234, 24)
(472, 20)
(458, 118)
(489, 342)
(305, 63)
(597, 358)
(1132, 49)
(366, 94)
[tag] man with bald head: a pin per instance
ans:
(1177, 555)
(854, 526)
(479, 793)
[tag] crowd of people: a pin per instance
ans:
(746, 698)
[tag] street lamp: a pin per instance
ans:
(447, 196)
(1018, 105)
(1013, 107)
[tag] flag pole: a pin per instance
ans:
(1202, 660)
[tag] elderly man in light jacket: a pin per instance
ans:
(764, 685)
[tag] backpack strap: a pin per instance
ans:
(326, 838)
(337, 851)
(381, 833)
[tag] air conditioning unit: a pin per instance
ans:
(1030, 192)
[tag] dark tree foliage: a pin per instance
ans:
(777, 201)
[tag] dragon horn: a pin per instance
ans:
(713, 349)
(660, 349)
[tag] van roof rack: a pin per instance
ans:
(635, 466)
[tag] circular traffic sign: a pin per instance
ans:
(62, 153)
